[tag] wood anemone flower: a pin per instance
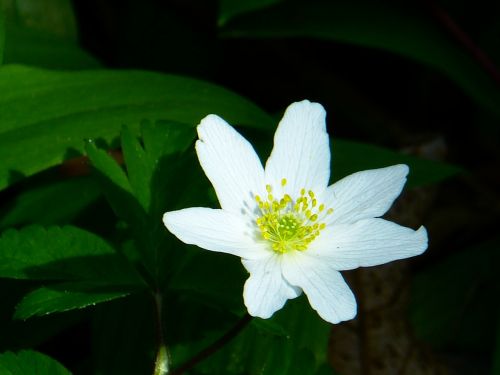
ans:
(293, 232)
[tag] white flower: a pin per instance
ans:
(292, 231)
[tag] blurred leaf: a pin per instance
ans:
(55, 17)
(65, 297)
(260, 351)
(349, 157)
(44, 114)
(29, 362)
(451, 300)
(37, 204)
(43, 33)
(401, 29)
(61, 253)
(230, 8)
(2, 36)
(31, 47)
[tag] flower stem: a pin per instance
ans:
(163, 360)
(205, 353)
(162, 363)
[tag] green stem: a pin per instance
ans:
(162, 363)
(163, 360)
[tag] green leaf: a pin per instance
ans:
(65, 297)
(47, 114)
(117, 189)
(37, 204)
(165, 138)
(215, 281)
(231, 8)
(108, 167)
(28, 334)
(148, 166)
(308, 330)
(349, 157)
(29, 362)
(61, 253)
(55, 17)
(139, 168)
(401, 29)
(150, 187)
(43, 33)
(2, 35)
(451, 300)
(166, 146)
(32, 47)
(258, 350)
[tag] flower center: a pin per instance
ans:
(290, 224)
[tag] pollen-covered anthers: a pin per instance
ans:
(290, 224)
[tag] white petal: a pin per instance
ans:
(325, 287)
(301, 152)
(266, 291)
(230, 163)
(367, 243)
(215, 230)
(365, 194)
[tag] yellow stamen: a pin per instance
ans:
(290, 224)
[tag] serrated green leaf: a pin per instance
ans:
(139, 168)
(68, 296)
(401, 29)
(163, 138)
(29, 362)
(349, 157)
(165, 146)
(37, 204)
(116, 187)
(44, 114)
(61, 253)
(149, 188)
(108, 166)
(149, 168)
